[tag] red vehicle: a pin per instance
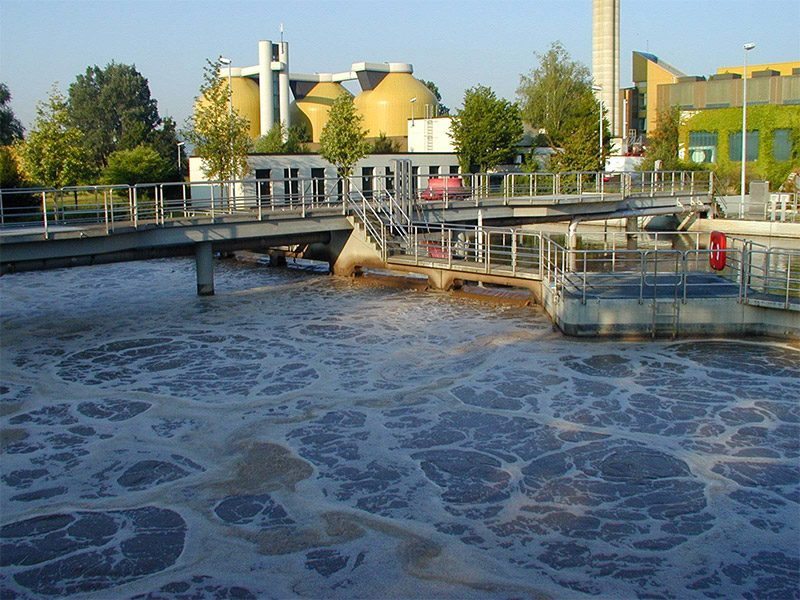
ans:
(440, 188)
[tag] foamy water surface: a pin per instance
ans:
(302, 436)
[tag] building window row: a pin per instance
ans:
(703, 146)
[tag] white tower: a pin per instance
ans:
(605, 61)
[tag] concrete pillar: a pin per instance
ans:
(632, 240)
(265, 103)
(204, 261)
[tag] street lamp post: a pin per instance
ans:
(414, 99)
(747, 47)
(597, 88)
(227, 61)
(180, 171)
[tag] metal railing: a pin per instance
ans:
(158, 203)
(641, 265)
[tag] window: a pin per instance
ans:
(454, 168)
(433, 170)
(366, 181)
(264, 187)
(389, 179)
(702, 146)
(318, 184)
(782, 144)
(735, 146)
(291, 186)
(414, 182)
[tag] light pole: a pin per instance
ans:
(180, 171)
(597, 88)
(747, 47)
(414, 99)
(227, 61)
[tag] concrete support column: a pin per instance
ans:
(204, 261)
(572, 244)
(265, 102)
(631, 240)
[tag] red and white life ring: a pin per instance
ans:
(717, 254)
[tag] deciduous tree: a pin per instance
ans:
(343, 141)
(53, 154)
(115, 111)
(221, 137)
(383, 145)
(485, 131)
(443, 110)
(10, 127)
(556, 97)
(662, 144)
(138, 165)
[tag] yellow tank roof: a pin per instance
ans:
(387, 108)
(312, 109)
(245, 102)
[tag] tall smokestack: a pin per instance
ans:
(605, 60)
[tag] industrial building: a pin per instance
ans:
(390, 95)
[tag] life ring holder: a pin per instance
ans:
(717, 251)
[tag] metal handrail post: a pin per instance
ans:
(514, 252)
(642, 270)
(135, 208)
(788, 280)
(583, 291)
(44, 213)
(212, 201)
(541, 255)
(105, 209)
(183, 196)
(449, 248)
(416, 245)
(488, 251)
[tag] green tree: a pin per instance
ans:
(485, 131)
(115, 111)
(343, 141)
(10, 175)
(220, 136)
(663, 143)
(556, 97)
(53, 154)
(383, 145)
(443, 110)
(10, 127)
(138, 165)
(296, 139)
(272, 141)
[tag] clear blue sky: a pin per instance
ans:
(455, 43)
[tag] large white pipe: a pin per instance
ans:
(265, 104)
(283, 86)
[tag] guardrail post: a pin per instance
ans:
(2, 211)
(488, 250)
(105, 207)
(44, 214)
(135, 209)
(514, 252)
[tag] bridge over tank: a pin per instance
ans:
(351, 225)
(47, 228)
